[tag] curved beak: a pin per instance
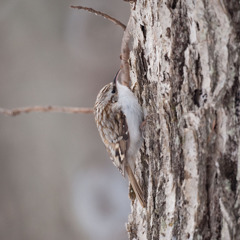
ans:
(116, 77)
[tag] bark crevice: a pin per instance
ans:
(186, 63)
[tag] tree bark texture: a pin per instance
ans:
(186, 58)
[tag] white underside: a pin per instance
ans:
(134, 116)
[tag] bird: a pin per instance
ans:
(118, 117)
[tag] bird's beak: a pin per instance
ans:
(116, 77)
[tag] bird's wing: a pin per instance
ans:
(119, 155)
(119, 142)
(116, 139)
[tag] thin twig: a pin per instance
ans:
(106, 16)
(17, 111)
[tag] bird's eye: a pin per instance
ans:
(114, 89)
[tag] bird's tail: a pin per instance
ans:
(135, 186)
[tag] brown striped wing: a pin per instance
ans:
(113, 130)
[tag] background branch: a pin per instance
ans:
(17, 111)
(106, 16)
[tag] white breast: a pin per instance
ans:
(133, 112)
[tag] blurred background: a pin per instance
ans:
(56, 180)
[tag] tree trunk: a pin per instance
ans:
(186, 58)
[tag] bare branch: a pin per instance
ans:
(17, 111)
(106, 16)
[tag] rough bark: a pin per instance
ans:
(186, 58)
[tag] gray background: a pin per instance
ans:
(56, 180)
